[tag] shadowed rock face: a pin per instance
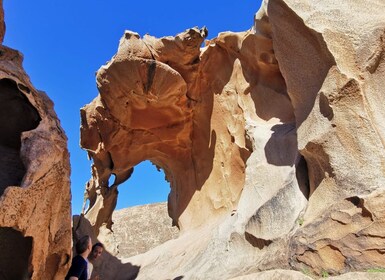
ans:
(272, 141)
(16, 115)
(35, 224)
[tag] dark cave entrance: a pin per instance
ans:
(15, 254)
(16, 115)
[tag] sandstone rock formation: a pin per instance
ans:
(280, 274)
(141, 228)
(272, 140)
(35, 219)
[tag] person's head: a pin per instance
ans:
(83, 245)
(97, 250)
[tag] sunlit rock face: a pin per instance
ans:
(140, 228)
(35, 219)
(272, 141)
(156, 103)
(332, 58)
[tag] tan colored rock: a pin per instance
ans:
(223, 119)
(349, 235)
(272, 141)
(278, 274)
(35, 215)
(360, 276)
(334, 102)
(333, 75)
(141, 228)
(135, 230)
(191, 144)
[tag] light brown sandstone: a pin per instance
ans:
(272, 140)
(278, 274)
(35, 217)
(140, 228)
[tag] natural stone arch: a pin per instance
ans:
(153, 116)
(322, 99)
(218, 120)
(166, 100)
(223, 111)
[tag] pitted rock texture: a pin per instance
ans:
(272, 140)
(140, 228)
(35, 217)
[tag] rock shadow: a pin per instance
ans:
(15, 255)
(281, 149)
(16, 115)
(108, 266)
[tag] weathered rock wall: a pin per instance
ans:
(334, 71)
(140, 228)
(35, 217)
(272, 141)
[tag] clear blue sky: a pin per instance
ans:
(65, 42)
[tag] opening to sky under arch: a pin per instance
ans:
(147, 189)
(146, 185)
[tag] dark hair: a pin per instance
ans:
(82, 244)
(98, 244)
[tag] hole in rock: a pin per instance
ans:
(86, 205)
(111, 180)
(146, 185)
(318, 165)
(16, 115)
(15, 255)
(325, 108)
(302, 175)
(141, 221)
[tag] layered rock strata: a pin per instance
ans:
(35, 217)
(272, 141)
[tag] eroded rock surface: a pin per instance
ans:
(272, 140)
(35, 219)
(141, 228)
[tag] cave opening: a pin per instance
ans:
(16, 115)
(140, 220)
(15, 255)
